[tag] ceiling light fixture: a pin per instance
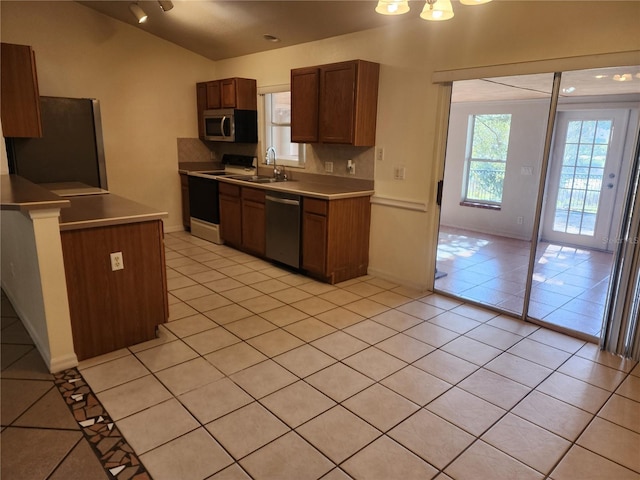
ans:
(270, 38)
(437, 10)
(623, 78)
(137, 11)
(392, 7)
(165, 5)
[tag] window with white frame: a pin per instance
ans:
(277, 109)
(486, 162)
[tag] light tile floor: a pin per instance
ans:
(265, 374)
(569, 284)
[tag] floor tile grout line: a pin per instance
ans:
(503, 351)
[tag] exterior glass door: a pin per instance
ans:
(583, 182)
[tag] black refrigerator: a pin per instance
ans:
(71, 148)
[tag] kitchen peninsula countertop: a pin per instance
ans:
(104, 210)
(20, 194)
(86, 211)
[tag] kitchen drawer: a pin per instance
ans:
(253, 194)
(313, 205)
(228, 189)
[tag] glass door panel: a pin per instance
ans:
(493, 162)
(588, 177)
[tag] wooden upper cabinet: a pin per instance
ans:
(214, 98)
(20, 95)
(305, 88)
(201, 99)
(240, 93)
(335, 103)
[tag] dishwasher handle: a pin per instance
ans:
(286, 201)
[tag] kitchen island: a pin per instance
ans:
(57, 270)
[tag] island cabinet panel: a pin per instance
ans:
(335, 238)
(110, 309)
(335, 103)
(20, 96)
(253, 221)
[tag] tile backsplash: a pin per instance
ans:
(195, 150)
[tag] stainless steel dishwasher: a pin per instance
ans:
(283, 228)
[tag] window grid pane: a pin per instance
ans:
(487, 164)
(586, 147)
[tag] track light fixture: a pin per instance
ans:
(137, 11)
(165, 5)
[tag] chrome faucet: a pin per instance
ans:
(270, 158)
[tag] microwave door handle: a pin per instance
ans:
(224, 117)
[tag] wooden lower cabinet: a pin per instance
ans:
(335, 238)
(242, 218)
(230, 214)
(253, 221)
(109, 309)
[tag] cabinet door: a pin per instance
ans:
(305, 84)
(20, 96)
(253, 227)
(231, 220)
(213, 94)
(337, 102)
(201, 102)
(314, 243)
(228, 93)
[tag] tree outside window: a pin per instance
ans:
(487, 158)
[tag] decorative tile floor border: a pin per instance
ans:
(110, 446)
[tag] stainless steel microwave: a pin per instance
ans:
(231, 125)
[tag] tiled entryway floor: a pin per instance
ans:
(265, 374)
(569, 284)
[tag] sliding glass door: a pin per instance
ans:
(539, 248)
(492, 173)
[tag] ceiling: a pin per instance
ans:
(220, 29)
(579, 83)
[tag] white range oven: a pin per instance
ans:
(203, 195)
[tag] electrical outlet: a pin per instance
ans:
(351, 167)
(379, 154)
(520, 220)
(117, 263)
(328, 167)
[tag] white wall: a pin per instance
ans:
(33, 278)
(146, 89)
(526, 143)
